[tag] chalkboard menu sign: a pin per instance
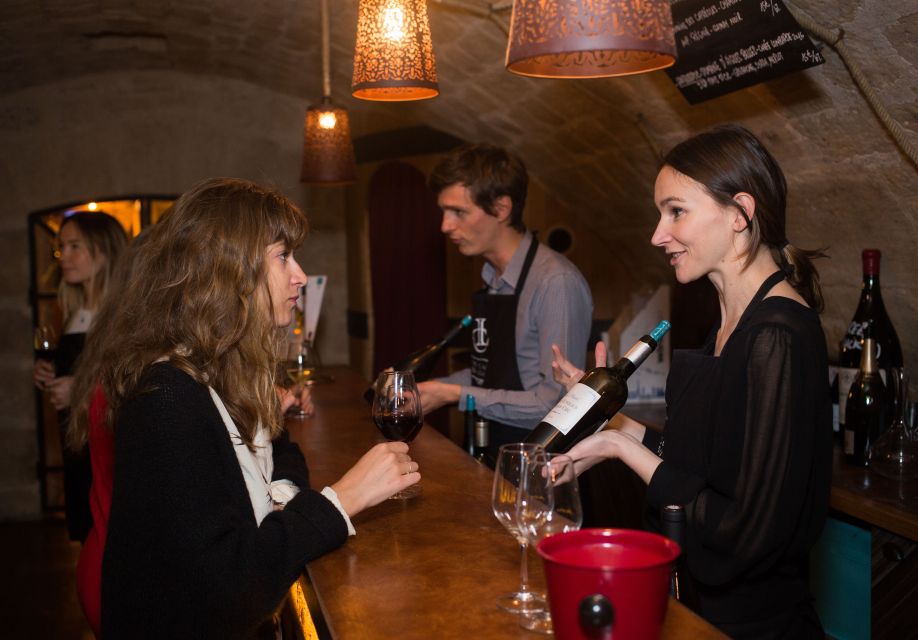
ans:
(725, 45)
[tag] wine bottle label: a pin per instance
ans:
(855, 336)
(572, 407)
(846, 376)
(849, 442)
(639, 352)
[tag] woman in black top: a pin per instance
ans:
(89, 244)
(746, 448)
(212, 515)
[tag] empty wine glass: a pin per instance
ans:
(508, 472)
(397, 413)
(548, 503)
(895, 453)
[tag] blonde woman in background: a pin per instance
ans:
(89, 245)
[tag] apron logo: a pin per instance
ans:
(480, 336)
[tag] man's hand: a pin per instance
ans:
(435, 394)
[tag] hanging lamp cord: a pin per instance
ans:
(836, 40)
(326, 47)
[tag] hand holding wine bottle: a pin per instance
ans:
(422, 361)
(594, 399)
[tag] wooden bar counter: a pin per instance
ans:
(428, 567)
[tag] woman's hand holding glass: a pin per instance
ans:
(383, 471)
(296, 400)
(397, 412)
(44, 342)
(548, 503)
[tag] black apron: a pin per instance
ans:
(494, 351)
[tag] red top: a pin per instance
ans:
(102, 458)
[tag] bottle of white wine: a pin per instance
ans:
(422, 361)
(593, 400)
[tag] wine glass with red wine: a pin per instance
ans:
(45, 343)
(397, 413)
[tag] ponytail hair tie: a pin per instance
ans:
(786, 266)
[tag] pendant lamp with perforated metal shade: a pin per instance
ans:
(393, 57)
(328, 152)
(590, 38)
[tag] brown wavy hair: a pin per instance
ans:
(196, 294)
(728, 160)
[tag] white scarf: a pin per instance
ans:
(257, 467)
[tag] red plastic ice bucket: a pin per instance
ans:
(605, 583)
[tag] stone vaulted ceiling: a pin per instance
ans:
(593, 143)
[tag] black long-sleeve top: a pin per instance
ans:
(184, 557)
(747, 450)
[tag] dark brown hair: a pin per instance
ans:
(488, 172)
(728, 160)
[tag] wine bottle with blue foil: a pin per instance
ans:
(596, 398)
(422, 361)
(470, 416)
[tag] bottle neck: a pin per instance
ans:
(869, 357)
(635, 356)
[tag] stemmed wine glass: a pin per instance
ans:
(397, 413)
(548, 503)
(895, 453)
(299, 369)
(508, 473)
(44, 341)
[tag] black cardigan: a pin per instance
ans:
(184, 557)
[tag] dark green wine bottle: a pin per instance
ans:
(593, 400)
(866, 408)
(422, 361)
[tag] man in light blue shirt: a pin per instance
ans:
(533, 296)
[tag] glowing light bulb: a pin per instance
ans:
(327, 120)
(393, 20)
(92, 206)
